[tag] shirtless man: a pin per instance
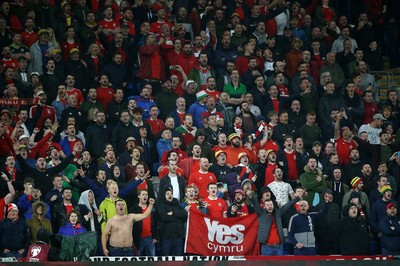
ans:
(119, 230)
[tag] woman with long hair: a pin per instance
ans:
(73, 227)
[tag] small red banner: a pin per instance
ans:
(19, 102)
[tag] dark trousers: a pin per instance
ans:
(172, 246)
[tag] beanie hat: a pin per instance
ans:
(244, 182)
(327, 191)
(11, 207)
(232, 136)
(355, 181)
(201, 95)
(188, 82)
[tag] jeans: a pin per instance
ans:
(126, 252)
(275, 250)
(13, 254)
(304, 252)
(172, 246)
(147, 247)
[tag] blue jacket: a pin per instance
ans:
(145, 105)
(69, 230)
(162, 146)
(64, 143)
(390, 228)
(25, 207)
(196, 110)
(175, 116)
(59, 107)
(378, 212)
(222, 56)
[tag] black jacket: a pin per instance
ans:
(59, 215)
(119, 135)
(171, 225)
(97, 137)
(14, 235)
(43, 180)
(325, 234)
(353, 235)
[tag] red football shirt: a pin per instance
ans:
(105, 96)
(216, 207)
(202, 181)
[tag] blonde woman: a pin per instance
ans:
(52, 39)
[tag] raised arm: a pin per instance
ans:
(138, 217)
(66, 161)
(256, 205)
(10, 196)
(14, 132)
(34, 151)
(8, 140)
(93, 186)
(126, 191)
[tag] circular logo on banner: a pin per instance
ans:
(35, 251)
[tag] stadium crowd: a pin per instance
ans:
(229, 107)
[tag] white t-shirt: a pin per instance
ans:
(281, 190)
(373, 133)
(175, 187)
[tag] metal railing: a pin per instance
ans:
(385, 82)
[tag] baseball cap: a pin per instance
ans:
(74, 50)
(378, 116)
(217, 153)
(130, 139)
(39, 93)
(386, 188)
(41, 31)
(240, 155)
(241, 191)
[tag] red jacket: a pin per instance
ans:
(369, 110)
(293, 58)
(187, 63)
(242, 64)
(189, 166)
(148, 53)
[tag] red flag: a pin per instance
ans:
(209, 236)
